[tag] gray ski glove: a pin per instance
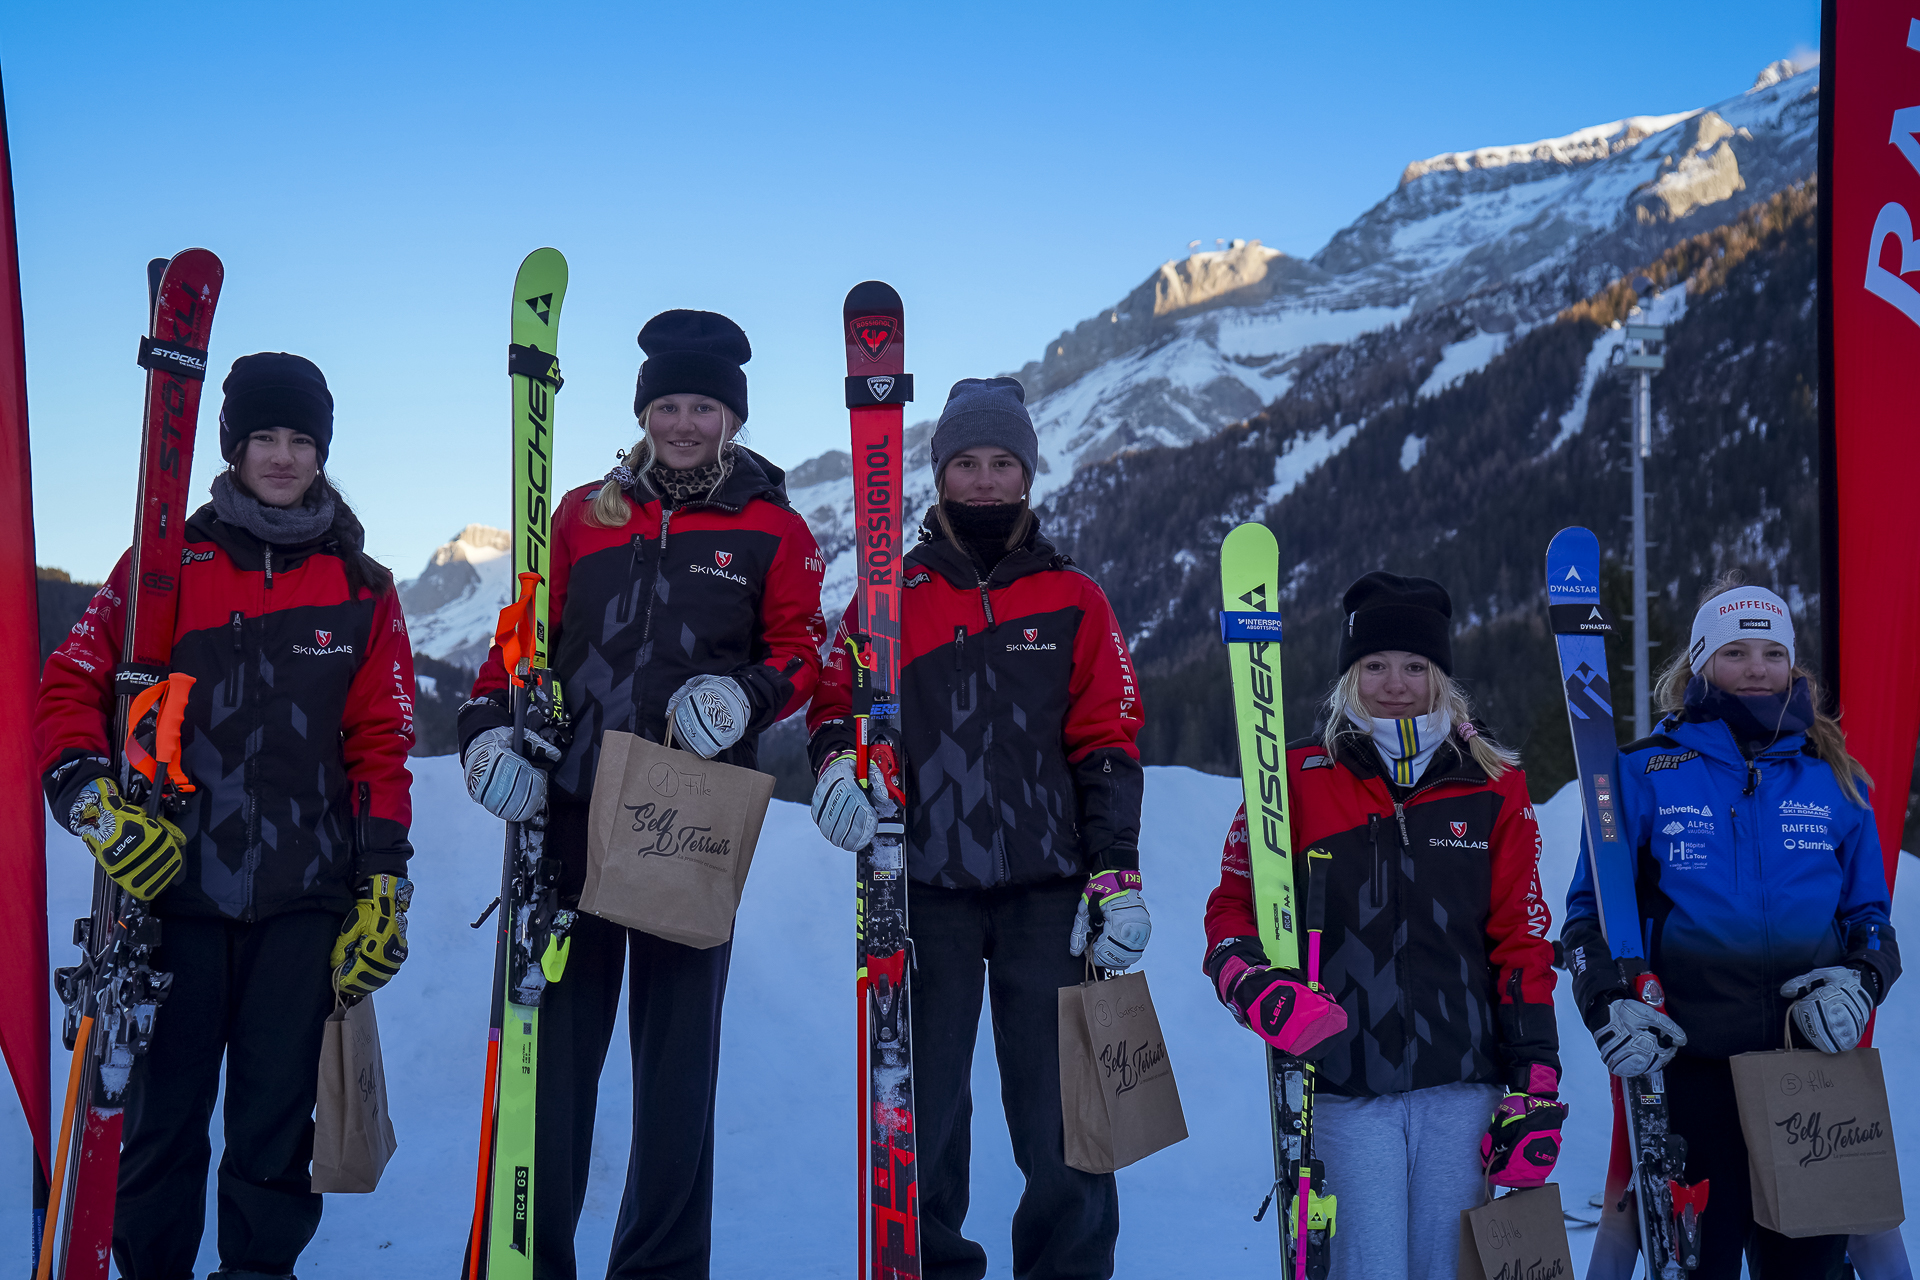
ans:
(710, 714)
(841, 808)
(1832, 1007)
(1637, 1038)
(1122, 918)
(504, 782)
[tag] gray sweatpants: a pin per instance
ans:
(1403, 1167)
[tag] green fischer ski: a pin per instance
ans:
(1250, 623)
(531, 945)
(1250, 626)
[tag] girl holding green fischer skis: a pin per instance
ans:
(683, 589)
(1433, 1029)
(1762, 901)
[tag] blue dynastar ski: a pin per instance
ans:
(1668, 1211)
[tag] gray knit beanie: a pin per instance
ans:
(990, 412)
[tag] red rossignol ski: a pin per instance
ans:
(889, 1231)
(114, 992)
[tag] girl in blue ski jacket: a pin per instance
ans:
(1762, 900)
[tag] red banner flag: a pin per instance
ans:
(23, 839)
(1869, 401)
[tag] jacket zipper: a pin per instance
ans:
(268, 556)
(1004, 871)
(237, 621)
(1519, 1005)
(1376, 886)
(963, 697)
(646, 626)
(250, 862)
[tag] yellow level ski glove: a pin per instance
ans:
(373, 938)
(140, 850)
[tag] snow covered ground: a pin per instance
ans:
(787, 1159)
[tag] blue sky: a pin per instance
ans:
(372, 174)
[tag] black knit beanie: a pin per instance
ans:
(1386, 611)
(693, 353)
(275, 389)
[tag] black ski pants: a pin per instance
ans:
(259, 994)
(1013, 943)
(674, 994)
(1701, 1105)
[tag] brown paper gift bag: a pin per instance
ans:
(352, 1132)
(1116, 1083)
(1819, 1141)
(1523, 1233)
(669, 839)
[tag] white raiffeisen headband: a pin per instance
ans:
(1744, 613)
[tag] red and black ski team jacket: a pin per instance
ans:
(1019, 709)
(1435, 940)
(728, 585)
(296, 732)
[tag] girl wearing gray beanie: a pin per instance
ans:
(1023, 817)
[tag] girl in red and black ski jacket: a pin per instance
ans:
(1018, 712)
(296, 733)
(684, 591)
(1434, 1012)
(280, 881)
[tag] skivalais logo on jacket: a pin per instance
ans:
(723, 558)
(323, 638)
(1031, 633)
(1459, 830)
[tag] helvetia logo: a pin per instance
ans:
(873, 334)
(1031, 633)
(723, 558)
(1459, 830)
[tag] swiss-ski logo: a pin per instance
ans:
(1459, 830)
(323, 638)
(1031, 633)
(873, 334)
(723, 558)
(879, 386)
(541, 306)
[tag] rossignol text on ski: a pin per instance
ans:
(113, 994)
(877, 388)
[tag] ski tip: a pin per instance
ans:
(871, 297)
(1253, 535)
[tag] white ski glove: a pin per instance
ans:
(504, 782)
(1124, 923)
(841, 809)
(1637, 1038)
(710, 714)
(1832, 1008)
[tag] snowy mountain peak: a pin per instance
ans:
(451, 607)
(1583, 146)
(1203, 277)
(1783, 69)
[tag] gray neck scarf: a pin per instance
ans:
(281, 526)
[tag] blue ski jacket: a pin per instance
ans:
(1748, 873)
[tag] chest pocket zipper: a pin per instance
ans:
(236, 622)
(963, 698)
